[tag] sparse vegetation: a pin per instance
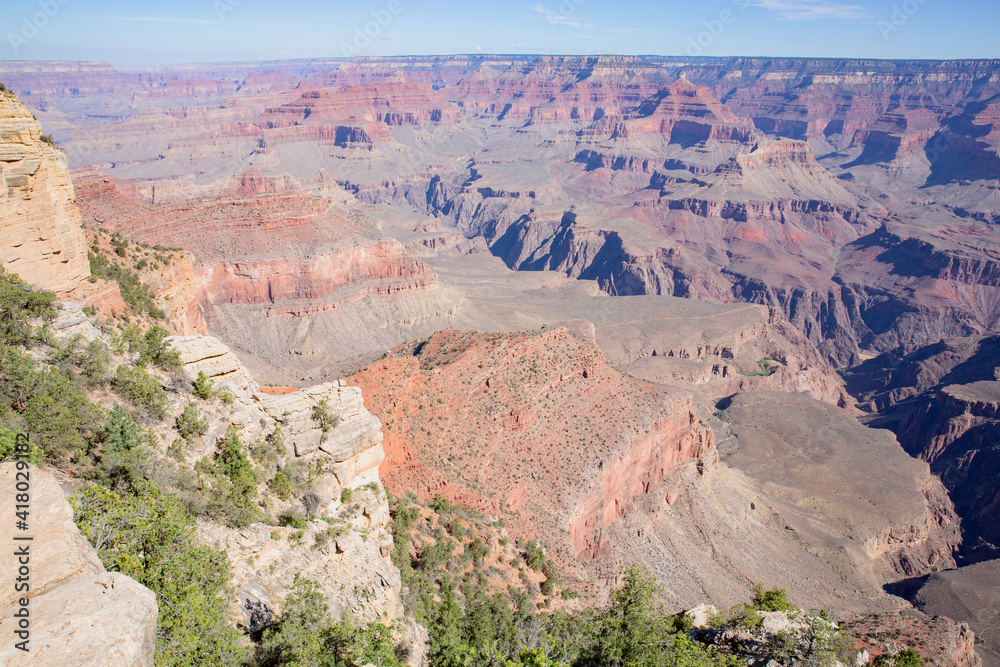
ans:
(305, 634)
(19, 304)
(204, 387)
(190, 424)
(905, 658)
(765, 369)
(325, 418)
(234, 486)
(140, 388)
(137, 294)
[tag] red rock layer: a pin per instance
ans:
(688, 111)
(535, 427)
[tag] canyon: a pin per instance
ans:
(645, 310)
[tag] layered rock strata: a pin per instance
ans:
(41, 237)
(353, 569)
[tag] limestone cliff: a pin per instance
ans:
(348, 553)
(41, 238)
(80, 614)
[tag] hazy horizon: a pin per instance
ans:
(192, 31)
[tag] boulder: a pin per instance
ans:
(80, 614)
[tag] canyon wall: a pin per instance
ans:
(41, 237)
(942, 401)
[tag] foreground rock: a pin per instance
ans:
(345, 543)
(80, 614)
(347, 555)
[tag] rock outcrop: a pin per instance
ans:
(41, 237)
(347, 555)
(940, 641)
(492, 400)
(79, 613)
(347, 551)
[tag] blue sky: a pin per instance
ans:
(133, 33)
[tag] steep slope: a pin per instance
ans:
(40, 231)
(970, 594)
(272, 253)
(514, 386)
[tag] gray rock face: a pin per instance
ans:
(80, 614)
(349, 560)
(209, 355)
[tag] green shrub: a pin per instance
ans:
(478, 549)
(154, 348)
(534, 556)
(203, 386)
(49, 405)
(89, 362)
(190, 424)
(775, 599)
(281, 485)
(305, 634)
(905, 658)
(8, 440)
(346, 495)
(95, 364)
(234, 491)
(325, 418)
(148, 536)
(290, 519)
(19, 303)
(120, 433)
(60, 417)
(634, 630)
(137, 294)
(140, 388)
(178, 449)
(266, 450)
(440, 504)
(47, 139)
